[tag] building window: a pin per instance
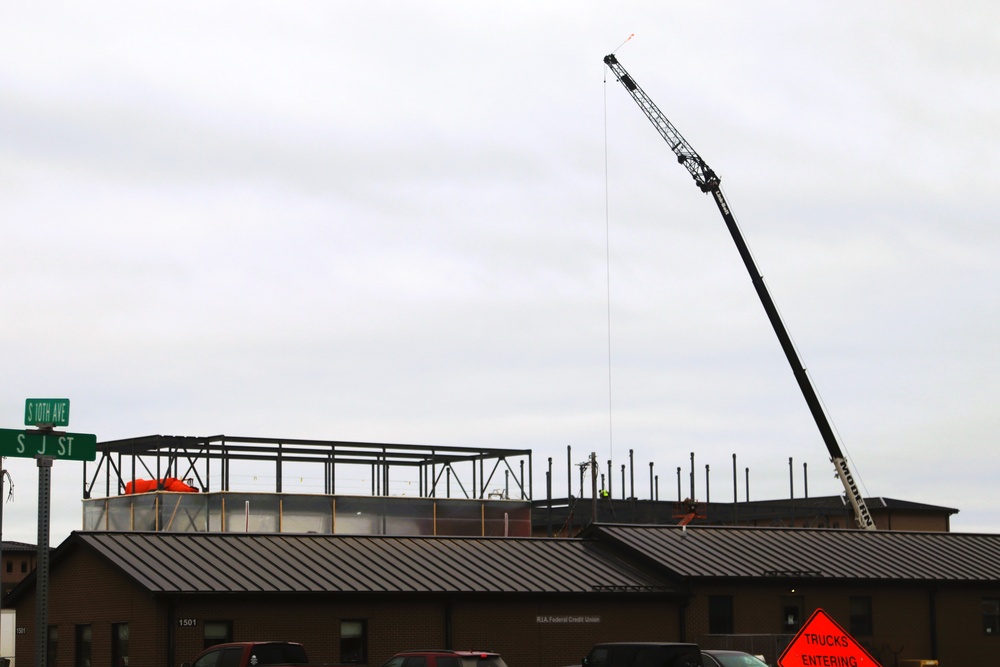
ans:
(991, 617)
(861, 616)
(720, 614)
(218, 632)
(354, 641)
(10, 566)
(82, 649)
(119, 645)
(792, 608)
(52, 646)
(24, 567)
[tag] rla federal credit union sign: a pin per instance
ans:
(567, 619)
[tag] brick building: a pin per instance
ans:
(17, 562)
(148, 599)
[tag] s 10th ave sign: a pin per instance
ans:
(56, 444)
(46, 411)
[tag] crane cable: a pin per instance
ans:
(607, 259)
(607, 254)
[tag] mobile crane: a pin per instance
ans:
(708, 182)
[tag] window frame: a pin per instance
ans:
(796, 604)
(861, 612)
(52, 645)
(349, 653)
(119, 646)
(991, 617)
(720, 615)
(83, 637)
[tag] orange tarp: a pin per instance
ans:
(165, 484)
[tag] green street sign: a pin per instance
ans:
(58, 445)
(48, 411)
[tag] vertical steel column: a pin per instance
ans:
(593, 487)
(692, 496)
(791, 480)
(277, 470)
(569, 471)
(548, 496)
(631, 474)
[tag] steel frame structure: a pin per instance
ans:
(189, 457)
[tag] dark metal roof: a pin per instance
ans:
(717, 552)
(282, 563)
(565, 515)
(840, 502)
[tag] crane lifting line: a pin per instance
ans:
(607, 256)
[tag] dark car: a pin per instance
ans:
(445, 658)
(717, 658)
(643, 654)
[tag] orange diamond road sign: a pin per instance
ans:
(823, 643)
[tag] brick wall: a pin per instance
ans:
(87, 591)
(961, 635)
(901, 622)
(568, 626)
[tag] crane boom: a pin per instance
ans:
(708, 182)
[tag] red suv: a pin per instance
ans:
(444, 658)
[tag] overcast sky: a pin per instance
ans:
(423, 223)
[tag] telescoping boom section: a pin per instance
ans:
(707, 181)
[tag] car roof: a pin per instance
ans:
(445, 651)
(644, 644)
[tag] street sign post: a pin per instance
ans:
(822, 641)
(56, 444)
(44, 444)
(46, 412)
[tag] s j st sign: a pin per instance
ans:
(55, 444)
